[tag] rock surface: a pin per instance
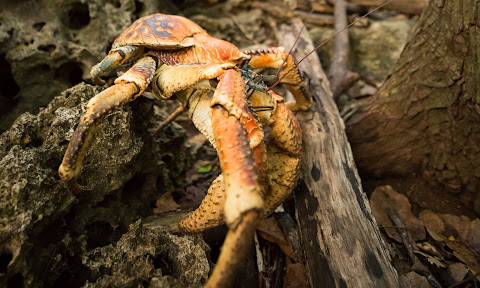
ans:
(49, 46)
(48, 237)
(374, 49)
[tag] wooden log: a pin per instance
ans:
(341, 242)
(410, 7)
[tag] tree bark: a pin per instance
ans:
(341, 242)
(425, 119)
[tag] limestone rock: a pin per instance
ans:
(48, 237)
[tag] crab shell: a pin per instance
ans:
(160, 31)
(165, 33)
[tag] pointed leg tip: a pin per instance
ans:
(77, 190)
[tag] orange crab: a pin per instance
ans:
(209, 76)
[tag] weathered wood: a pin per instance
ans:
(409, 7)
(341, 241)
(339, 72)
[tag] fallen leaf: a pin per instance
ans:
(429, 249)
(413, 280)
(295, 276)
(165, 204)
(456, 226)
(461, 241)
(191, 197)
(458, 271)
(434, 224)
(432, 259)
(270, 230)
(467, 256)
(384, 197)
(473, 238)
(205, 168)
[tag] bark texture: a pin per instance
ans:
(340, 240)
(410, 7)
(424, 120)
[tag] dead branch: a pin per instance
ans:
(341, 241)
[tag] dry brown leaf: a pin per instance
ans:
(429, 249)
(467, 256)
(413, 280)
(432, 259)
(385, 196)
(165, 204)
(443, 226)
(434, 224)
(457, 227)
(458, 271)
(295, 276)
(270, 230)
(473, 238)
(191, 197)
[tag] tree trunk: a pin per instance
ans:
(340, 239)
(425, 119)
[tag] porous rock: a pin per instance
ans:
(374, 49)
(49, 237)
(48, 46)
(145, 256)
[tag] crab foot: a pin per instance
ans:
(77, 190)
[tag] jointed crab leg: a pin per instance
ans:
(244, 203)
(210, 213)
(127, 88)
(283, 153)
(274, 57)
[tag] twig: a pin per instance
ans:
(351, 8)
(169, 119)
(279, 271)
(281, 12)
(338, 69)
(409, 245)
(290, 229)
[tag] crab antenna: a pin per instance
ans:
(325, 41)
(291, 49)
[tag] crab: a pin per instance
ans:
(228, 102)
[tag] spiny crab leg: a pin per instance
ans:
(126, 89)
(283, 152)
(210, 213)
(244, 203)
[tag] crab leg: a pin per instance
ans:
(126, 88)
(243, 203)
(274, 57)
(210, 213)
(114, 58)
(284, 149)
